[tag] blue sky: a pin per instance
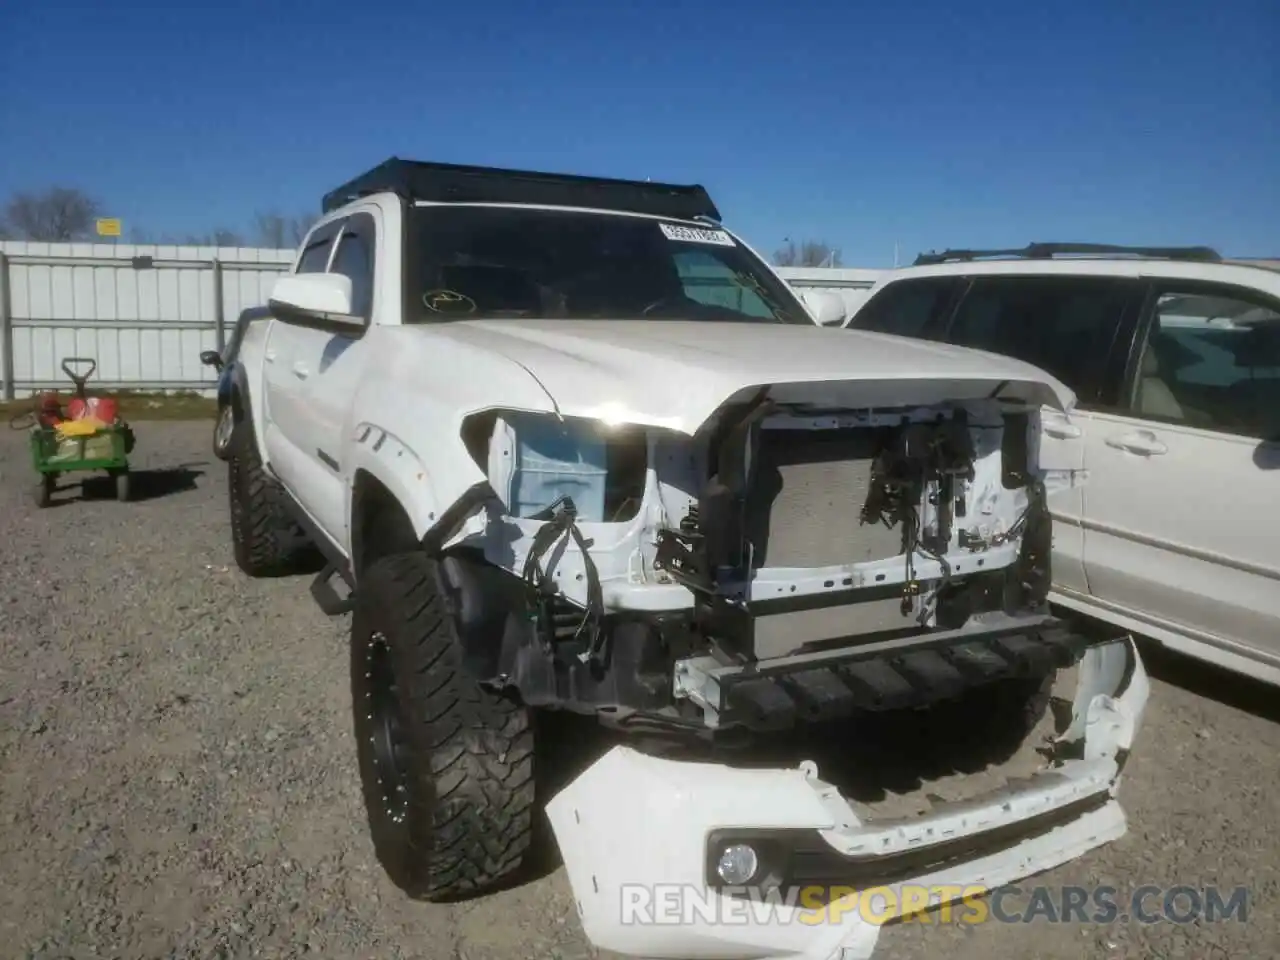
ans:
(931, 124)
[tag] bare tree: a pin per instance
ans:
(270, 229)
(221, 237)
(279, 231)
(810, 253)
(58, 215)
(299, 226)
(62, 214)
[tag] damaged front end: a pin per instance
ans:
(651, 845)
(807, 553)
(812, 553)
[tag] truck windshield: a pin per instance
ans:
(490, 262)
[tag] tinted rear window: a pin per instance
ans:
(1065, 325)
(908, 307)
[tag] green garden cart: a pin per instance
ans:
(88, 436)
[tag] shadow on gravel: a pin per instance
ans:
(1213, 683)
(143, 484)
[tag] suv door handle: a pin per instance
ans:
(269, 356)
(1063, 431)
(300, 370)
(1140, 441)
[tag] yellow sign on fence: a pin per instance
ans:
(108, 228)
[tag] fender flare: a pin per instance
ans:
(238, 385)
(377, 451)
(242, 400)
(226, 384)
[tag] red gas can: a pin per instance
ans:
(100, 408)
(49, 409)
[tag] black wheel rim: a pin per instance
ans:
(386, 733)
(222, 433)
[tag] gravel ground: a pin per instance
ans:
(179, 780)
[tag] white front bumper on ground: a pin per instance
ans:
(633, 823)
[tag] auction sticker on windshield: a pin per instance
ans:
(675, 231)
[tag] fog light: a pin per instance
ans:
(737, 864)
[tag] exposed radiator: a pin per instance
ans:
(804, 510)
(804, 507)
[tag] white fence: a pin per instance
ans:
(144, 313)
(852, 285)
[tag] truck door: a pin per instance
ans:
(327, 363)
(286, 415)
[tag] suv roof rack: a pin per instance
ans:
(1046, 251)
(456, 183)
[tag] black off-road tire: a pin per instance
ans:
(267, 541)
(44, 490)
(446, 766)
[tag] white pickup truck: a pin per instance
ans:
(571, 444)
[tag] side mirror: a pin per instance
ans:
(310, 298)
(211, 358)
(826, 307)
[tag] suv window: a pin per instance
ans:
(1211, 360)
(354, 259)
(513, 262)
(909, 308)
(1065, 325)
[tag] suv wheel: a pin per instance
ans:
(223, 430)
(446, 766)
(266, 539)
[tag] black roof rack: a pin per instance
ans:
(448, 182)
(1046, 251)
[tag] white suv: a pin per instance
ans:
(1174, 355)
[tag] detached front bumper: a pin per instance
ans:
(640, 837)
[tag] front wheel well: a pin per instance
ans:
(239, 409)
(380, 525)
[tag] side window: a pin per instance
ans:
(354, 258)
(707, 279)
(315, 255)
(1211, 359)
(1064, 325)
(908, 308)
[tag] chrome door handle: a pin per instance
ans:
(300, 370)
(269, 356)
(1140, 441)
(1063, 431)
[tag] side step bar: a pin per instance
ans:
(327, 597)
(322, 589)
